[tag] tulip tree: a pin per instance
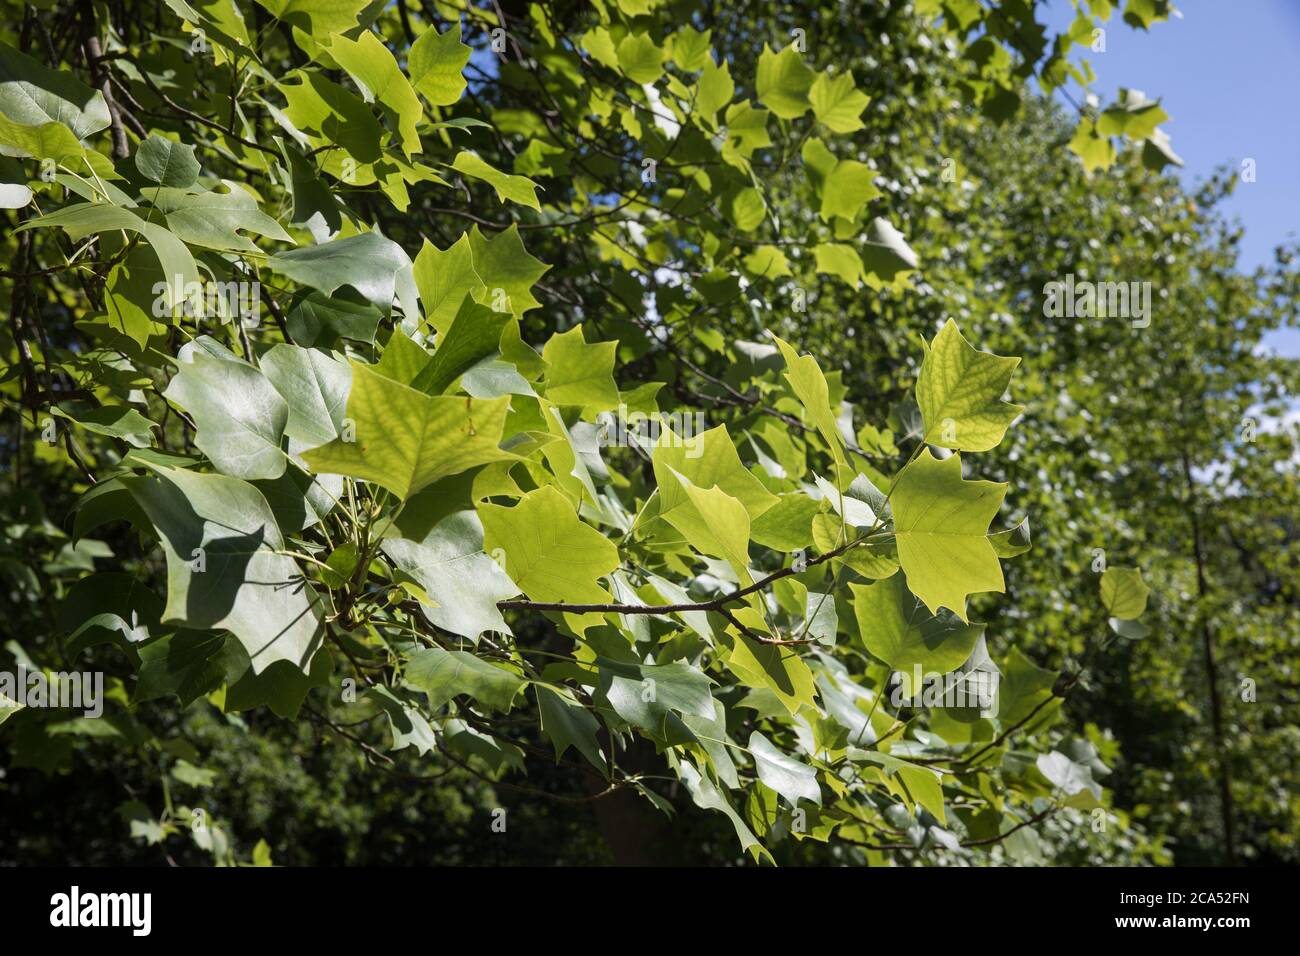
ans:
(341, 445)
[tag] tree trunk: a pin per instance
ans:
(1211, 675)
(636, 833)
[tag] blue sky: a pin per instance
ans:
(1227, 73)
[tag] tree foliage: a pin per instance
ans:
(334, 335)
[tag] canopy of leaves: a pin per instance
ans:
(565, 398)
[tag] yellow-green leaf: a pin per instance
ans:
(960, 392)
(837, 103)
(941, 522)
(436, 62)
(549, 552)
(1124, 593)
(404, 440)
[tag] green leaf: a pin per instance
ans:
(690, 48)
(497, 753)
(856, 504)
(897, 629)
(708, 797)
(670, 593)
(640, 58)
(47, 141)
(646, 694)
(332, 115)
(784, 81)
(107, 607)
(960, 393)
(402, 359)
(239, 415)
(316, 207)
(1132, 115)
(1096, 151)
(706, 460)
(314, 386)
(475, 334)
(1024, 687)
(1129, 630)
(436, 62)
(318, 320)
(409, 727)
(580, 373)
(809, 384)
(774, 667)
(791, 779)
(441, 675)
(1012, 542)
(340, 565)
(372, 66)
(130, 300)
(746, 131)
(81, 219)
(549, 553)
(745, 208)
(841, 260)
(924, 787)
(1140, 14)
(768, 261)
(837, 103)
(598, 42)
(713, 523)
(1070, 776)
(445, 279)
(509, 188)
(167, 163)
(283, 687)
(116, 421)
(222, 22)
(317, 19)
(714, 89)
(262, 854)
(887, 253)
(787, 525)
(1158, 152)
(150, 831)
(210, 219)
(507, 271)
(712, 736)
(841, 697)
(187, 664)
(847, 188)
(941, 522)
(223, 570)
(106, 501)
(32, 94)
(569, 724)
(1124, 593)
(298, 499)
(368, 262)
(405, 440)
(454, 571)
(193, 776)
